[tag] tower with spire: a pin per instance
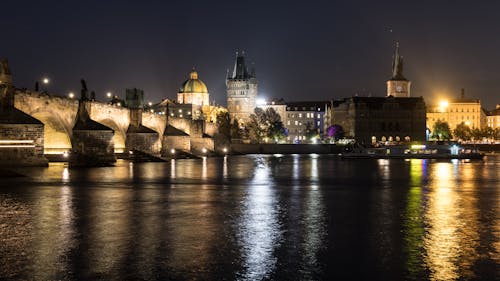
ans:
(398, 85)
(241, 85)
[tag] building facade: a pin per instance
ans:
(372, 120)
(303, 117)
(398, 86)
(493, 118)
(241, 87)
(463, 110)
(193, 92)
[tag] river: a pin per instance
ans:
(254, 217)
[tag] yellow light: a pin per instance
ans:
(45, 80)
(467, 123)
(108, 94)
(71, 95)
(172, 151)
(204, 150)
(417, 146)
(443, 104)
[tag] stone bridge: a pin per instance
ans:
(58, 114)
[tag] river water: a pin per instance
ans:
(254, 217)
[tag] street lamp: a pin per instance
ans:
(71, 95)
(204, 150)
(45, 80)
(108, 94)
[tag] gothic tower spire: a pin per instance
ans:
(398, 85)
(241, 90)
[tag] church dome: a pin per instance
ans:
(193, 84)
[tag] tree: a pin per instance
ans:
(489, 133)
(311, 132)
(275, 129)
(223, 122)
(235, 132)
(441, 131)
(335, 132)
(477, 134)
(462, 132)
(265, 125)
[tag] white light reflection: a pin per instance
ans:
(131, 170)
(224, 168)
(296, 168)
(65, 175)
(204, 168)
(259, 229)
(384, 169)
(172, 168)
(314, 167)
(315, 231)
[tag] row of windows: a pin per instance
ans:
(461, 110)
(458, 118)
(304, 108)
(300, 115)
(297, 123)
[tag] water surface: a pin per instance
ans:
(254, 217)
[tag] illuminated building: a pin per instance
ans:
(493, 118)
(241, 90)
(301, 115)
(193, 92)
(454, 112)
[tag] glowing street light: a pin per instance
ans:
(443, 105)
(71, 95)
(204, 150)
(150, 103)
(108, 94)
(172, 151)
(224, 150)
(45, 80)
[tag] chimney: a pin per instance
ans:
(462, 94)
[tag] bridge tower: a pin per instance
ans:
(241, 90)
(21, 136)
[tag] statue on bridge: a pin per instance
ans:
(5, 67)
(84, 90)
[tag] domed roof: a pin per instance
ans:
(193, 84)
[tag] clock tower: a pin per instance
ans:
(398, 85)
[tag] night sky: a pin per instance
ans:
(302, 50)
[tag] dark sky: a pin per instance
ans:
(302, 50)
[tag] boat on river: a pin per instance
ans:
(416, 151)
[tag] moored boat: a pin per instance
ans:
(416, 151)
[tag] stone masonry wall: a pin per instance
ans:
(22, 156)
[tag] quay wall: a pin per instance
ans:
(286, 148)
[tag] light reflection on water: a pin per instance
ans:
(282, 217)
(259, 228)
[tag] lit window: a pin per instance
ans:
(319, 123)
(300, 115)
(296, 122)
(319, 115)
